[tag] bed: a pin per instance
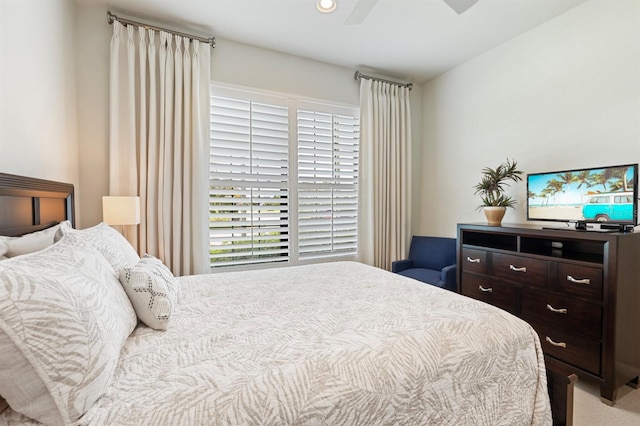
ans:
(336, 344)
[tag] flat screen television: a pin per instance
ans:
(606, 195)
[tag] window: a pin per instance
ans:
(599, 200)
(623, 199)
(276, 194)
(327, 183)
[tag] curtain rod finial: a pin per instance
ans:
(110, 17)
(358, 75)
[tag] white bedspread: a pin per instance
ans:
(331, 344)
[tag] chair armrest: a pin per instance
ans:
(449, 277)
(401, 265)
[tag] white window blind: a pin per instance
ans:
(283, 181)
(327, 184)
(249, 182)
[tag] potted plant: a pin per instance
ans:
(491, 190)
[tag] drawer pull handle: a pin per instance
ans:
(472, 260)
(557, 311)
(578, 281)
(522, 269)
(560, 345)
(486, 290)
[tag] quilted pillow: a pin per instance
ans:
(152, 289)
(28, 243)
(109, 242)
(63, 320)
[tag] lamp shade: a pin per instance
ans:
(121, 210)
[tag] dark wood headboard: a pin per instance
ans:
(28, 204)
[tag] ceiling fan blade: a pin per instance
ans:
(360, 12)
(460, 6)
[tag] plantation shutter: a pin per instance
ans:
(249, 180)
(327, 183)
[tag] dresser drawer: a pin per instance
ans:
(474, 261)
(493, 292)
(581, 352)
(572, 315)
(580, 280)
(523, 270)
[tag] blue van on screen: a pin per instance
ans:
(611, 206)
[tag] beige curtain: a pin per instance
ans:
(385, 173)
(159, 142)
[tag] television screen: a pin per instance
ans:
(601, 194)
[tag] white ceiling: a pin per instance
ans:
(411, 40)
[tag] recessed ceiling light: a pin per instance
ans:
(326, 6)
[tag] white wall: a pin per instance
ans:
(231, 63)
(37, 90)
(92, 65)
(564, 95)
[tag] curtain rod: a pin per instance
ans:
(358, 75)
(111, 18)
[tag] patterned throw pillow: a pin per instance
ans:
(109, 242)
(152, 289)
(63, 320)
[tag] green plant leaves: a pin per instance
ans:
(493, 182)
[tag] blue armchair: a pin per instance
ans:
(431, 260)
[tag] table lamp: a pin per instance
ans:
(121, 211)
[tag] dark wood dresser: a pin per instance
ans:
(580, 290)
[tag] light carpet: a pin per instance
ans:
(588, 410)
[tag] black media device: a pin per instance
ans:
(619, 227)
(581, 225)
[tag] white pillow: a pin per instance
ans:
(109, 242)
(152, 289)
(28, 243)
(3, 250)
(63, 320)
